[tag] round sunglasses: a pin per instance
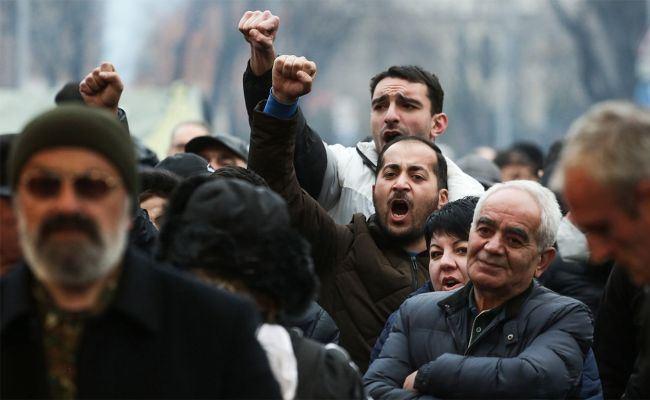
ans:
(89, 185)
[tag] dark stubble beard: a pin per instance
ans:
(412, 235)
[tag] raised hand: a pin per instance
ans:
(259, 29)
(102, 87)
(292, 78)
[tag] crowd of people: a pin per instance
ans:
(290, 268)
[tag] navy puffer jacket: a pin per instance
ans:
(533, 348)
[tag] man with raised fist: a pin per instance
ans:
(405, 101)
(368, 267)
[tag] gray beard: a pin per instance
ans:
(73, 263)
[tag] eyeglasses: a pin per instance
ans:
(89, 185)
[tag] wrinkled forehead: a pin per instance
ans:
(510, 207)
(391, 86)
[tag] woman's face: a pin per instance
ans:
(447, 262)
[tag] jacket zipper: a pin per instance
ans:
(471, 334)
(414, 273)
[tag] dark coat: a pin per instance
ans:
(618, 331)
(390, 322)
(590, 382)
(364, 275)
(163, 336)
(317, 324)
(310, 156)
(580, 280)
(533, 348)
(324, 372)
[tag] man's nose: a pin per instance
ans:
(494, 244)
(67, 199)
(392, 114)
(401, 183)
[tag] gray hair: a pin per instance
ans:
(612, 142)
(550, 215)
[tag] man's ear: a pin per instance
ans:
(438, 126)
(545, 260)
(373, 191)
(443, 197)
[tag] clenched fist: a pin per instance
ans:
(292, 78)
(102, 87)
(259, 29)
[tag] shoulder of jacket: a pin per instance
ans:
(428, 301)
(544, 301)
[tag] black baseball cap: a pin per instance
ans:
(185, 165)
(232, 143)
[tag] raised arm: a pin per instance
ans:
(102, 88)
(259, 30)
(271, 155)
(310, 157)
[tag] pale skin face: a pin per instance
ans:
(184, 134)
(402, 108)
(447, 262)
(613, 231)
(218, 157)
(503, 254)
(406, 191)
(110, 214)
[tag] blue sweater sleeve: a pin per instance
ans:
(279, 110)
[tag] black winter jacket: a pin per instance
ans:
(618, 333)
(163, 336)
(580, 280)
(533, 348)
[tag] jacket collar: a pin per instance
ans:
(137, 295)
(460, 300)
(368, 151)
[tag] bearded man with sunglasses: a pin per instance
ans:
(87, 315)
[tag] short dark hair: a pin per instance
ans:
(415, 74)
(157, 182)
(441, 165)
(514, 156)
(454, 218)
(244, 174)
(532, 150)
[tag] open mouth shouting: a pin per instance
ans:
(390, 135)
(399, 209)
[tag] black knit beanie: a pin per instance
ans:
(77, 126)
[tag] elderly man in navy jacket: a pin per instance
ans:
(502, 335)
